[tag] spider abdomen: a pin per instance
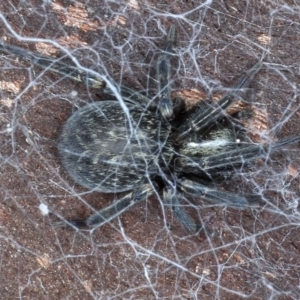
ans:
(104, 150)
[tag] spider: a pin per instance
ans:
(145, 149)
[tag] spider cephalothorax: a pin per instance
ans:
(147, 149)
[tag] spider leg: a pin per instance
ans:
(165, 105)
(56, 66)
(222, 160)
(210, 114)
(212, 195)
(235, 157)
(171, 199)
(128, 94)
(246, 153)
(88, 78)
(112, 211)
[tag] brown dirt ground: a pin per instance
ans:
(145, 254)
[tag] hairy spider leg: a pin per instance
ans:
(211, 113)
(129, 95)
(165, 104)
(228, 159)
(56, 66)
(196, 190)
(113, 210)
(171, 200)
(88, 78)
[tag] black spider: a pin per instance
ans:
(147, 149)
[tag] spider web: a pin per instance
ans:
(145, 254)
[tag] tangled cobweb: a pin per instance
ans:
(144, 253)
